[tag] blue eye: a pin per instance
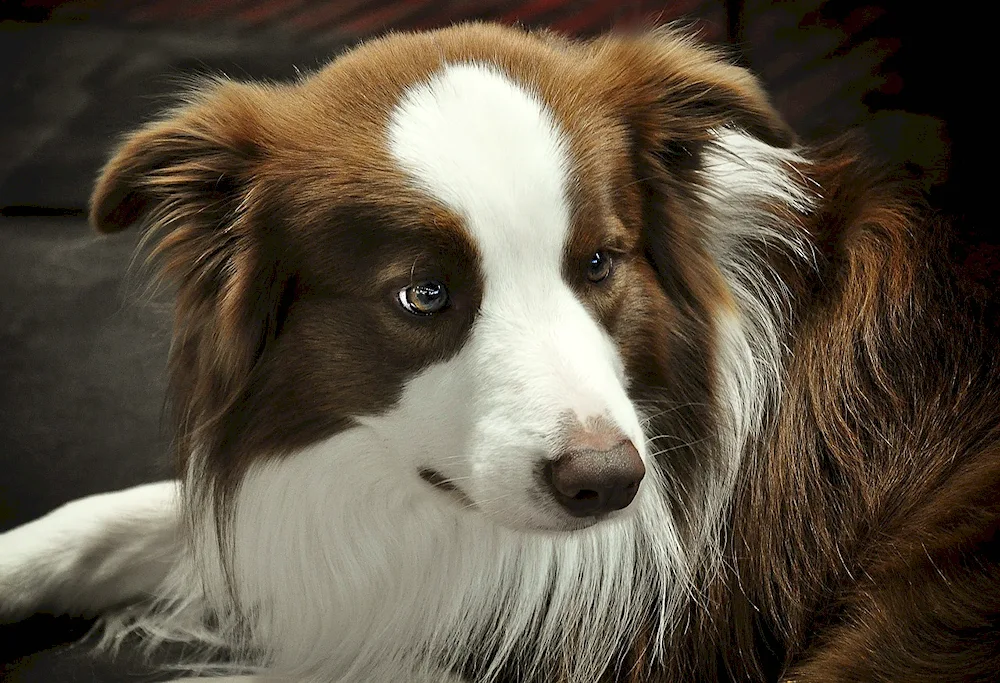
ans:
(425, 298)
(599, 267)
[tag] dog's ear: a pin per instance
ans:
(193, 160)
(190, 179)
(678, 99)
(675, 92)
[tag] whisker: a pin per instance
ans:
(689, 444)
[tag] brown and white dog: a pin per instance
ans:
(500, 356)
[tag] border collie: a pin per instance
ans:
(505, 357)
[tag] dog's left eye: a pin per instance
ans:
(599, 267)
(425, 298)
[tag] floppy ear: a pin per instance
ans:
(189, 178)
(675, 91)
(678, 99)
(196, 158)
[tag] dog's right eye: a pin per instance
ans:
(599, 267)
(424, 298)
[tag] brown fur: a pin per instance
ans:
(862, 541)
(863, 538)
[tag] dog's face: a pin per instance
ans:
(478, 247)
(529, 420)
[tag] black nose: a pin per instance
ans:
(589, 482)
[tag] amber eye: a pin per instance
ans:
(425, 298)
(599, 267)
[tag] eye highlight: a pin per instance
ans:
(424, 298)
(599, 266)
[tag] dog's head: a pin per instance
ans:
(486, 249)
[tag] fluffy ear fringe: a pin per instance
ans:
(190, 179)
(196, 157)
(678, 90)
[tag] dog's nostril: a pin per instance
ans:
(589, 482)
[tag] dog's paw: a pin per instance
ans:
(91, 554)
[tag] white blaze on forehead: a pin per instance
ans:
(490, 151)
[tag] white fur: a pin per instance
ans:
(348, 567)
(491, 152)
(744, 179)
(90, 554)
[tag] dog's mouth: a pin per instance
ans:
(449, 488)
(446, 486)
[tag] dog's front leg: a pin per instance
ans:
(91, 554)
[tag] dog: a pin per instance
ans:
(500, 356)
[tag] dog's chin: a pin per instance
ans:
(562, 525)
(538, 520)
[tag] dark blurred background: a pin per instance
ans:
(81, 362)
